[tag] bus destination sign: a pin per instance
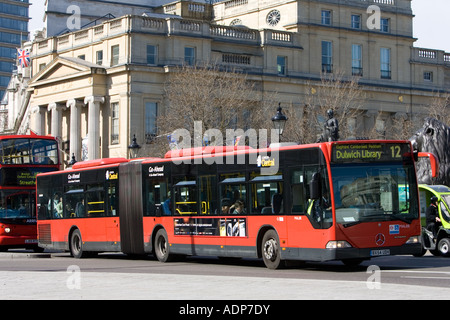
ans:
(362, 152)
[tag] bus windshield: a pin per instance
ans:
(374, 192)
(16, 204)
(28, 151)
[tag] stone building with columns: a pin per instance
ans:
(98, 87)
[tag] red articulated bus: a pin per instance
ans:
(22, 157)
(348, 201)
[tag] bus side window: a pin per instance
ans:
(56, 205)
(207, 193)
(74, 202)
(95, 198)
(185, 193)
(157, 200)
(43, 212)
(298, 192)
(318, 207)
(232, 189)
(267, 198)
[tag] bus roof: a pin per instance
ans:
(223, 150)
(26, 136)
(212, 151)
(98, 162)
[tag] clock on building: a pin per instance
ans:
(273, 18)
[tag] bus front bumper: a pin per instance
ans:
(17, 241)
(321, 255)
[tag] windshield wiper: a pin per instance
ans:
(351, 224)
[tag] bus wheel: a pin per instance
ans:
(421, 253)
(444, 247)
(270, 249)
(76, 245)
(162, 246)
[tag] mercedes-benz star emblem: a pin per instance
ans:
(380, 239)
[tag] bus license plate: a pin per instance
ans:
(376, 253)
(34, 241)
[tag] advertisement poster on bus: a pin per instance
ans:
(224, 227)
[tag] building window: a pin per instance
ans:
(384, 25)
(281, 65)
(189, 56)
(115, 123)
(356, 21)
(151, 112)
(115, 55)
(99, 57)
(327, 56)
(151, 54)
(385, 61)
(326, 17)
(357, 69)
(428, 76)
(82, 57)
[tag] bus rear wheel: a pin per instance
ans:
(270, 249)
(76, 245)
(162, 246)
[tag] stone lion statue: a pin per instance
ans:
(433, 137)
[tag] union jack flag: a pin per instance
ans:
(24, 57)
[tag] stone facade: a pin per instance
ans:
(105, 83)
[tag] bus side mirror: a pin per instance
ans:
(314, 187)
(434, 162)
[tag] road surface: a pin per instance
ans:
(25, 275)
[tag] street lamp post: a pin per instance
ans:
(134, 148)
(279, 121)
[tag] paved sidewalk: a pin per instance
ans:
(91, 285)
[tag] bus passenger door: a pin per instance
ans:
(113, 227)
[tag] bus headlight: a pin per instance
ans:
(338, 244)
(7, 230)
(412, 240)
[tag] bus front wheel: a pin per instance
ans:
(162, 246)
(270, 249)
(76, 244)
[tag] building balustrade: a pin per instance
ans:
(168, 26)
(430, 56)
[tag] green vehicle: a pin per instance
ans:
(441, 244)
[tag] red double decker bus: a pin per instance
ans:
(348, 201)
(22, 157)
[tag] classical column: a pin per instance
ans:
(56, 125)
(39, 119)
(75, 127)
(93, 103)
